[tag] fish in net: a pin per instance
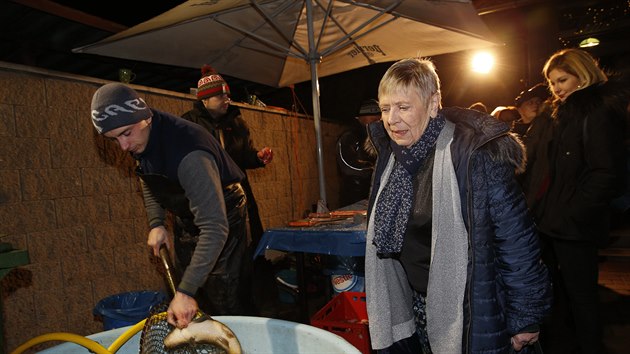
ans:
(203, 335)
(156, 329)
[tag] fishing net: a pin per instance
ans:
(156, 328)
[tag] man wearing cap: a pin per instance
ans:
(213, 111)
(355, 155)
(183, 170)
(535, 129)
(529, 104)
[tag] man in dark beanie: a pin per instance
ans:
(184, 171)
(213, 111)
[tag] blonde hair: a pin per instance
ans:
(414, 74)
(577, 63)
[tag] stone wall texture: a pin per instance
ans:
(70, 198)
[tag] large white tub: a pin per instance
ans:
(256, 335)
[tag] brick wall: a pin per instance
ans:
(70, 199)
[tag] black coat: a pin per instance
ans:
(587, 163)
(236, 133)
(537, 140)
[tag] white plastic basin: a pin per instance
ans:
(256, 335)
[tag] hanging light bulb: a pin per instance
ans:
(589, 42)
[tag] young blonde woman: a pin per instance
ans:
(586, 169)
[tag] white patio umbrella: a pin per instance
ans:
(282, 42)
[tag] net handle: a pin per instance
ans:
(165, 257)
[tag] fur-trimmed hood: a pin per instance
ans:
(475, 129)
(478, 128)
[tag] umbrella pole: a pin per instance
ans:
(320, 155)
(313, 58)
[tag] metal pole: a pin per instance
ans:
(313, 58)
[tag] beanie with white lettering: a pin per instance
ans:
(116, 105)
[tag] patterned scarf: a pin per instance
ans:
(393, 206)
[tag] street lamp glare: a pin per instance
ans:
(482, 62)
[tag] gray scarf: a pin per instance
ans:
(449, 255)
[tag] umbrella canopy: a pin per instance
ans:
(282, 42)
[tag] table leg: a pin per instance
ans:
(302, 288)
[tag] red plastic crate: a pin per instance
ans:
(346, 316)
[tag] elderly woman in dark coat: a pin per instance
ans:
(452, 257)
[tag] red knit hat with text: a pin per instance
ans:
(211, 84)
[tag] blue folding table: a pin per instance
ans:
(340, 238)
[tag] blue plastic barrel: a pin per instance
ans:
(126, 309)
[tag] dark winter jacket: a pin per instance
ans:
(236, 134)
(171, 140)
(508, 289)
(587, 165)
(536, 176)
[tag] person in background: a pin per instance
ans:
(183, 170)
(479, 106)
(452, 257)
(529, 104)
(530, 121)
(355, 155)
(526, 106)
(213, 111)
(586, 172)
(537, 138)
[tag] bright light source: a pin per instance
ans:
(482, 62)
(589, 42)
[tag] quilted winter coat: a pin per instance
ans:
(508, 289)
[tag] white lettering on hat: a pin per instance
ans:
(131, 106)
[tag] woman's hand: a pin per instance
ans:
(519, 341)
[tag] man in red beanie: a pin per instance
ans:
(213, 111)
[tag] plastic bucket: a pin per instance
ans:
(286, 280)
(127, 309)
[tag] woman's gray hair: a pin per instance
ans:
(415, 74)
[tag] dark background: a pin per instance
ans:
(42, 34)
